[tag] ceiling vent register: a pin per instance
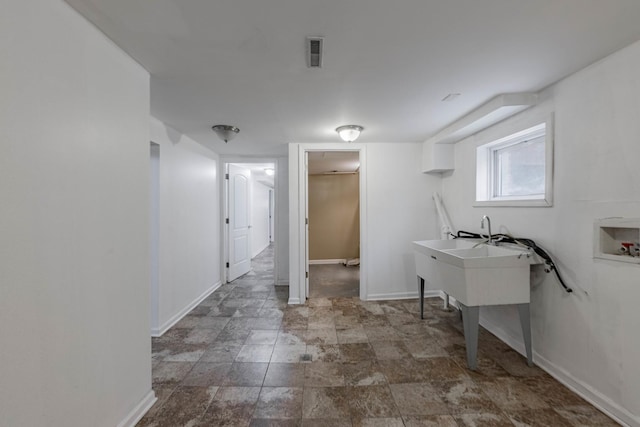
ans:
(314, 52)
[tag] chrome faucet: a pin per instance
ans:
(490, 241)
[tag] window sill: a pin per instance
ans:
(538, 203)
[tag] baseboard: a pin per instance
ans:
(139, 410)
(282, 283)
(158, 332)
(401, 295)
(294, 301)
(588, 393)
(326, 261)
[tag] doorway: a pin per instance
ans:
(249, 210)
(333, 212)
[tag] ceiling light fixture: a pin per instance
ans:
(225, 132)
(349, 133)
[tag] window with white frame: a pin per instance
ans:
(516, 170)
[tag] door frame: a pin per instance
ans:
(224, 161)
(298, 213)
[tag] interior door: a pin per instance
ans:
(306, 222)
(239, 222)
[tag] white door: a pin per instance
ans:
(306, 221)
(239, 226)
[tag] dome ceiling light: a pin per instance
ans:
(225, 132)
(349, 133)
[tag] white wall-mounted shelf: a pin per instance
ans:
(610, 237)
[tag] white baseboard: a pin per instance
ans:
(282, 283)
(401, 295)
(294, 301)
(588, 393)
(159, 331)
(139, 410)
(326, 261)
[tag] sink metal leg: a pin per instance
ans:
(470, 320)
(421, 282)
(525, 322)
(446, 301)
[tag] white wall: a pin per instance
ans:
(259, 217)
(589, 338)
(282, 221)
(74, 221)
(398, 211)
(189, 224)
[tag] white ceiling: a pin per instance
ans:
(387, 64)
(331, 162)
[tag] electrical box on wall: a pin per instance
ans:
(617, 239)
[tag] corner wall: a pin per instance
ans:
(588, 338)
(189, 222)
(74, 220)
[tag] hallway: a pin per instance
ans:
(241, 359)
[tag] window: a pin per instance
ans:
(516, 170)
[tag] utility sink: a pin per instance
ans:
(476, 274)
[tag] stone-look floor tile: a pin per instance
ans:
(276, 303)
(285, 375)
(371, 321)
(218, 311)
(357, 352)
(486, 370)
(378, 422)
(464, 397)
(321, 322)
(552, 392)
(320, 302)
(162, 394)
(430, 421)
(246, 312)
(287, 353)
(372, 308)
(381, 333)
(585, 416)
(205, 374)
(352, 336)
(321, 336)
(256, 422)
(324, 353)
(185, 406)
(255, 353)
(185, 356)
(202, 336)
(271, 312)
(390, 350)
(346, 321)
(323, 375)
(312, 422)
(402, 371)
(422, 349)
(221, 352)
(177, 351)
(516, 364)
(374, 401)
(365, 373)
(289, 323)
(537, 418)
(166, 373)
(246, 374)
(414, 331)
(510, 394)
(483, 420)
(402, 319)
(418, 399)
(325, 403)
(292, 337)
(442, 369)
(280, 403)
(231, 404)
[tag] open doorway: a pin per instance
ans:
(249, 219)
(333, 209)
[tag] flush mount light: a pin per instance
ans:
(269, 171)
(349, 133)
(225, 132)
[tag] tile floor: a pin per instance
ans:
(333, 280)
(239, 359)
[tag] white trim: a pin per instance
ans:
(294, 301)
(297, 197)
(403, 295)
(282, 283)
(158, 332)
(139, 410)
(326, 261)
(582, 389)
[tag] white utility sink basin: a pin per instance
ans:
(474, 274)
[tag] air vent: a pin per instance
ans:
(314, 52)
